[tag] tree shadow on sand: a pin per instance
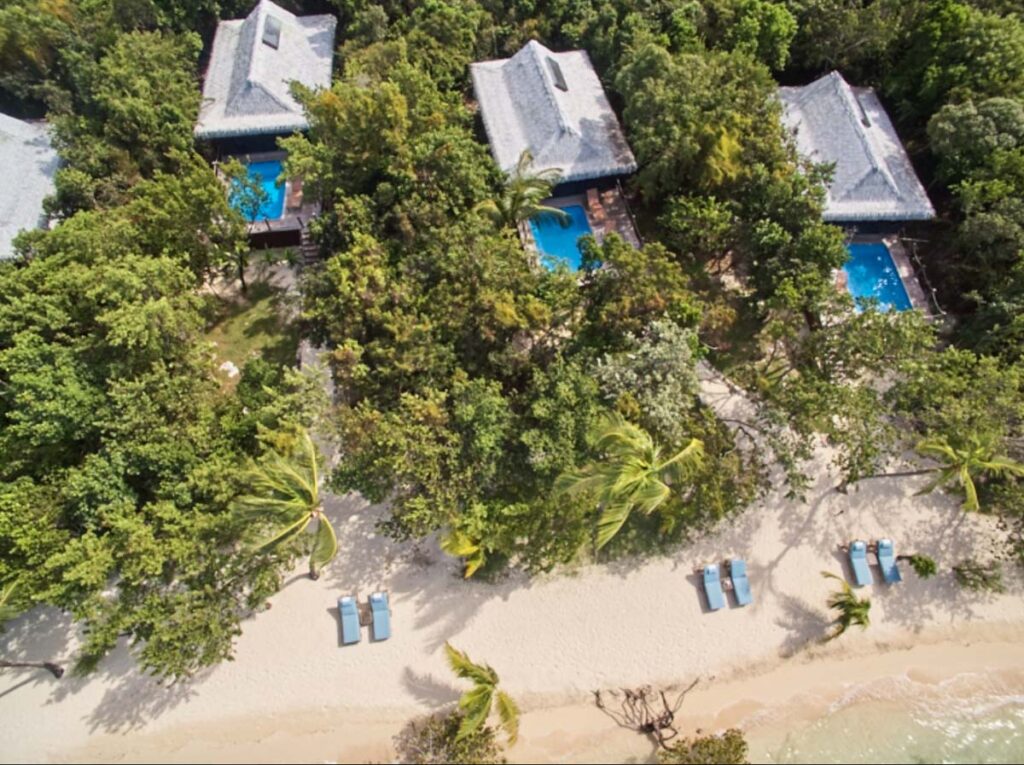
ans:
(422, 581)
(805, 625)
(429, 691)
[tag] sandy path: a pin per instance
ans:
(293, 693)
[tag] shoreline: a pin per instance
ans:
(766, 700)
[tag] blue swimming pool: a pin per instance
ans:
(557, 242)
(265, 174)
(871, 273)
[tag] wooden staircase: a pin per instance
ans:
(309, 252)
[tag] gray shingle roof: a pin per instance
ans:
(29, 163)
(524, 107)
(246, 91)
(873, 178)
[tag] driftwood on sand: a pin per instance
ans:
(646, 711)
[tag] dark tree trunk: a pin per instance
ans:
(49, 666)
(241, 273)
(900, 474)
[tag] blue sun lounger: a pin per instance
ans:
(740, 583)
(713, 588)
(349, 613)
(381, 616)
(859, 564)
(887, 562)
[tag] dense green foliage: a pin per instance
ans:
(119, 451)
(728, 748)
(468, 373)
(468, 378)
(923, 566)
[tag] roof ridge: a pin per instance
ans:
(253, 47)
(856, 111)
(534, 52)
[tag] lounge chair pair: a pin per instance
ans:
(379, 618)
(885, 551)
(737, 569)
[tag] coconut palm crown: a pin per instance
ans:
(476, 703)
(284, 495)
(853, 611)
(521, 196)
(632, 474)
(962, 466)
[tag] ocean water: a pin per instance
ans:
(968, 719)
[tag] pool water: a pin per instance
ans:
(871, 273)
(265, 174)
(558, 243)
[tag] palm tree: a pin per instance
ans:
(285, 494)
(520, 199)
(476, 704)
(853, 611)
(962, 465)
(8, 610)
(633, 474)
(458, 544)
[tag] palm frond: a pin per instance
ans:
(649, 496)
(557, 213)
(8, 609)
(458, 544)
(690, 456)
(464, 668)
(1003, 466)
(938, 448)
(285, 534)
(325, 544)
(612, 518)
(576, 482)
(508, 713)
(971, 503)
(476, 706)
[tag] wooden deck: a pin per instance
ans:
(608, 213)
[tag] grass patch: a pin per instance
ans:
(243, 327)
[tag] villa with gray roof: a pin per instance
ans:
(30, 163)
(847, 127)
(252, 65)
(553, 105)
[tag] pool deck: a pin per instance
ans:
(298, 211)
(607, 213)
(901, 260)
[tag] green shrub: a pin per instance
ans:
(729, 748)
(434, 741)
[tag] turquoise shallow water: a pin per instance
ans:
(558, 242)
(266, 174)
(871, 273)
(961, 721)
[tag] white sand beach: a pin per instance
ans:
(293, 694)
